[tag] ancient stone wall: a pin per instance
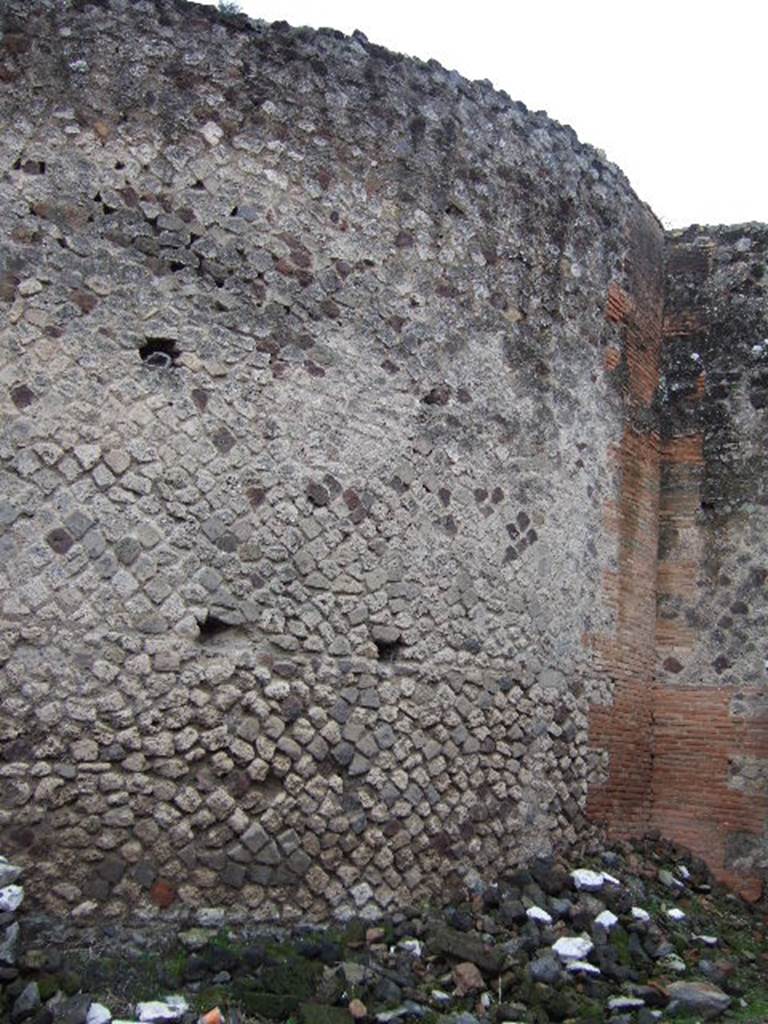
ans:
(318, 454)
(711, 714)
(331, 451)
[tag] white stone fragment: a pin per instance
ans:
(440, 997)
(582, 967)
(683, 871)
(30, 286)
(177, 1002)
(706, 940)
(211, 917)
(575, 947)
(11, 898)
(98, 1014)
(610, 878)
(87, 455)
(607, 919)
(588, 880)
(676, 914)
(9, 873)
(412, 946)
(673, 962)
(212, 133)
(538, 914)
(622, 1003)
(9, 941)
(156, 1011)
(84, 909)
(640, 915)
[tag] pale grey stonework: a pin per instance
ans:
(306, 447)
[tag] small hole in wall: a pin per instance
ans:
(212, 626)
(388, 650)
(159, 353)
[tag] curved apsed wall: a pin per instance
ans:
(311, 412)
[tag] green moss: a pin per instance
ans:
(297, 977)
(70, 982)
(619, 939)
(267, 1004)
(47, 986)
(756, 1010)
(589, 1011)
(354, 933)
(316, 1013)
(175, 966)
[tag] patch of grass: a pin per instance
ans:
(756, 1010)
(619, 939)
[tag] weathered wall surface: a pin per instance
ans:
(312, 618)
(711, 712)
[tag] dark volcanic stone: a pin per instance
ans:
(387, 992)
(560, 908)
(465, 947)
(461, 920)
(219, 959)
(325, 950)
(546, 970)
(26, 1003)
(255, 956)
(553, 878)
(195, 968)
(512, 912)
(73, 1010)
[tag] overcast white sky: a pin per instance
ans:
(674, 92)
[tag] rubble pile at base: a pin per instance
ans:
(629, 935)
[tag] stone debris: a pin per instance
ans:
(697, 997)
(26, 1003)
(573, 948)
(582, 967)
(11, 898)
(607, 919)
(673, 963)
(98, 1014)
(545, 969)
(172, 1008)
(440, 998)
(467, 978)
(408, 1009)
(503, 967)
(623, 1003)
(9, 943)
(539, 914)
(411, 946)
(73, 1010)
(587, 880)
(9, 873)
